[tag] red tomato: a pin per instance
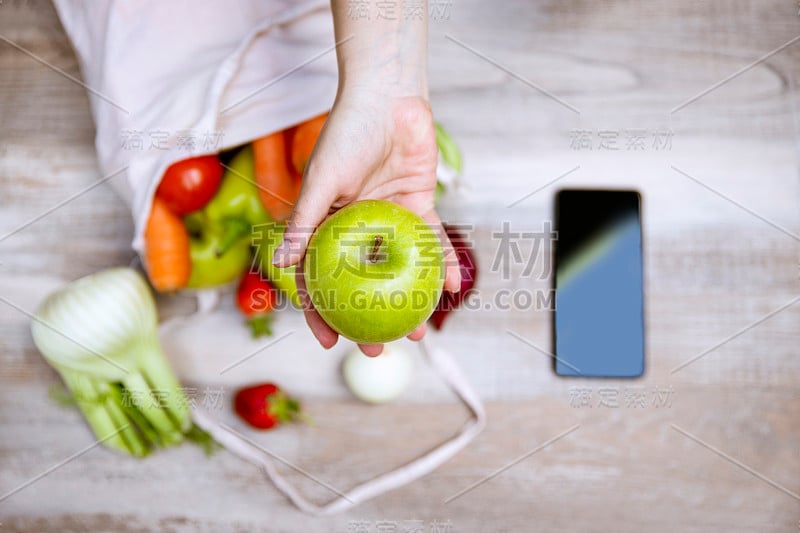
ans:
(256, 297)
(190, 184)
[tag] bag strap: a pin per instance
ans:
(444, 365)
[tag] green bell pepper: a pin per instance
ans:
(210, 268)
(221, 231)
(236, 207)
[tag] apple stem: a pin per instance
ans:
(373, 255)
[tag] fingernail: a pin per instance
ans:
(453, 287)
(280, 253)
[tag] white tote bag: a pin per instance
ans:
(171, 80)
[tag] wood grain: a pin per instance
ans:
(712, 269)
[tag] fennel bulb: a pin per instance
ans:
(100, 334)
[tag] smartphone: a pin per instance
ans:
(598, 322)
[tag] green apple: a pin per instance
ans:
(374, 271)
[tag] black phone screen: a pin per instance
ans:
(598, 326)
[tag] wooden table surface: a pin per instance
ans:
(527, 88)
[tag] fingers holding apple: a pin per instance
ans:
(313, 205)
(418, 333)
(373, 272)
(324, 334)
(371, 350)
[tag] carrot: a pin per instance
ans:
(166, 249)
(303, 141)
(276, 187)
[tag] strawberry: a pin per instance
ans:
(266, 406)
(256, 297)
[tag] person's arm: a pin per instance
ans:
(382, 56)
(378, 142)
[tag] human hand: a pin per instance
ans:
(373, 146)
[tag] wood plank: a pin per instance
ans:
(713, 269)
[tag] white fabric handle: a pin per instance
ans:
(444, 365)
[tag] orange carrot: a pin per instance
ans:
(166, 249)
(277, 189)
(303, 141)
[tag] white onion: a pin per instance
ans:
(378, 379)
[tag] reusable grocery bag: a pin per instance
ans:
(177, 79)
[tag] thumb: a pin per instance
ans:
(311, 208)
